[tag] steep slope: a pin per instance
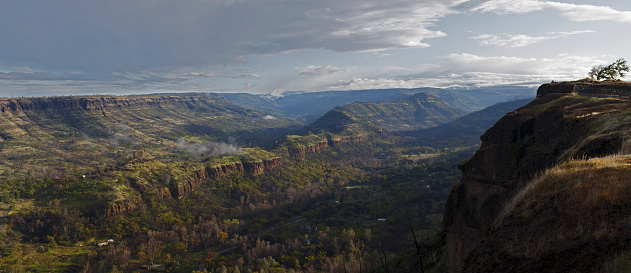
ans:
(61, 135)
(573, 218)
(254, 102)
(466, 130)
(308, 107)
(546, 132)
(422, 110)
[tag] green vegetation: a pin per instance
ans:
(60, 139)
(167, 187)
(318, 212)
(422, 110)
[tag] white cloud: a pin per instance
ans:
(458, 70)
(313, 70)
(573, 12)
(520, 40)
(568, 65)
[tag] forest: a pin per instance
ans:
(357, 200)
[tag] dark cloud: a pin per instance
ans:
(139, 35)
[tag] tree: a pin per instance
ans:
(613, 71)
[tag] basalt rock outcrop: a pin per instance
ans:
(261, 166)
(118, 208)
(298, 149)
(208, 173)
(554, 127)
(98, 103)
(310, 149)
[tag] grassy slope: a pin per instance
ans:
(466, 130)
(59, 142)
(422, 110)
(575, 216)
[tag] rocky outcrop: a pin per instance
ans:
(272, 163)
(258, 167)
(224, 170)
(552, 128)
(306, 150)
(98, 103)
(609, 88)
(344, 139)
(181, 188)
(118, 208)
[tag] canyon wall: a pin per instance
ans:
(180, 189)
(525, 142)
(98, 103)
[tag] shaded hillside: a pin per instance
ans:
(548, 131)
(254, 102)
(466, 130)
(308, 107)
(61, 135)
(573, 218)
(422, 110)
(487, 96)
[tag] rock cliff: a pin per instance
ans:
(208, 173)
(309, 149)
(344, 139)
(118, 208)
(554, 127)
(299, 146)
(97, 103)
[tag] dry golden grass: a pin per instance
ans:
(572, 214)
(589, 184)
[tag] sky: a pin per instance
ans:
(117, 47)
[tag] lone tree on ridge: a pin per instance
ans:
(610, 72)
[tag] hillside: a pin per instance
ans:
(59, 136)
(169, 187)
(308, 107)
(574, 217)
(419, 111)
(552, 129)
(184, 199)
(466, 130)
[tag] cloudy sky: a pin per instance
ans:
(53, 47)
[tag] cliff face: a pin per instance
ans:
(180, 189)
(261, 166)
(118, 208)
(310, 149)
(313, 148)
(344, 139)
(208, 173)
(45, 132)
(96, 103)
(552, 128)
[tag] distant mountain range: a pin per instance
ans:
(422, 110)
(308, 107)
(466, 130)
